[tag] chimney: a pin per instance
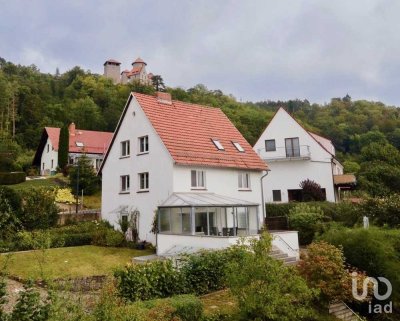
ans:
(164, 98)
(71, 129)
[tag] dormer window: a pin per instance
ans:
(218, 144)
(79, 144)
(238, 147)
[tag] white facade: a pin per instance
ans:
(165, 177)
(49, 159)
(297, 156)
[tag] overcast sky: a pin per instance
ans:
(255, 50)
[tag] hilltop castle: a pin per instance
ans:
(112, 70)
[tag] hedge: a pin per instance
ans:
(11, 178)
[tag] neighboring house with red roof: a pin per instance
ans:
(189, 164)
(295, 154)
(112, 69)
(93, 144)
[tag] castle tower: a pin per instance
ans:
(112, 70)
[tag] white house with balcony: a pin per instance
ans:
(295, 154)
(189, 165)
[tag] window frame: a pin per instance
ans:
(273, 195)
(244, 181)
(217, 143)
(268, 141)
(145, 145)
(146, 181)
(125, 147)
(239, 147)
(124, 187)
(200, 175)
(293, 152)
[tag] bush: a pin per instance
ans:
(12, 178)
(373, 250)
(307, 220)
(205, 272)
(383, 211)
(158, 279)
(323, 267)
(105, 236)
(39, 209)
(265, 289)
(9, 222)
(312, 191)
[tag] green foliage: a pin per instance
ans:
(307, 220)
(12, 178)
(312, 191)
(373, 250)
(344, 212)
(265, 289)
(9, 222)
(39, 209)
(205, 271)
(351, 167)
(63, 147)
(383, 211)
(323, 267)
(83, 177)
(158, 279)
(104, 236)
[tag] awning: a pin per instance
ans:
(345, 180)
(203, 200)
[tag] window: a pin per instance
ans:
(244, 181)
(143, 144)
(292, 147)
(270, 145)
(98, 162)
(218, 144)
(143, 181)
(125, 183)
(238, 147)
(48, 147)
(52, 163)
(276, 195)
(198, 179)
(79, 144)
(125, 148)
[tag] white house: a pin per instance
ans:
(189, 164)
(295, 154)
(92, 144)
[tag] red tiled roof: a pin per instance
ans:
(187, 131)
(325, 142)
(94, 142)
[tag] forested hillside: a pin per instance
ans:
(366, 134)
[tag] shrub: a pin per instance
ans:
(307, 220)
(12, 178)
(89, 182)
(265, 289)
(312, 191)
(156, 279)
(205, 272)
(106, 236)
(373, 250)
(383, 211)
(39, 209)
(64, 195)
(323, 267)
(9, 222)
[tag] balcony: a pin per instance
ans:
(299, 153)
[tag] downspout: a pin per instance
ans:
(262, 195)
(333, 180)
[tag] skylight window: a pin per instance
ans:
(238, 147)
(79, 144)
(218, 144)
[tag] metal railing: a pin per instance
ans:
(286, 153)
(282, 241)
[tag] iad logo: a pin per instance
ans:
(378, 307)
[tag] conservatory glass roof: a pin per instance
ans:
(203, 200)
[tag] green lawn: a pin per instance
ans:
(70, 261)
(50, 182)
